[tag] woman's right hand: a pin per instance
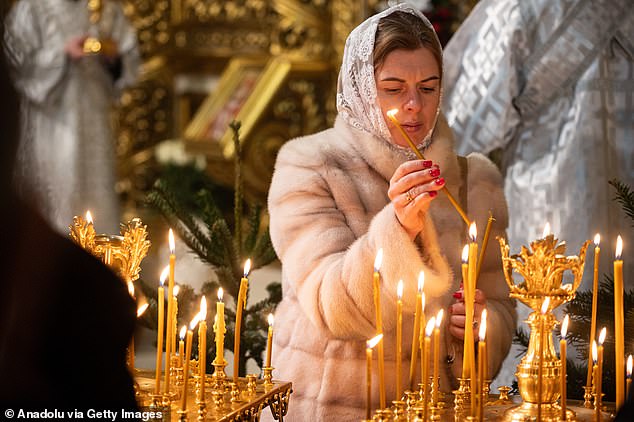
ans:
(74, 47)
(412, 188)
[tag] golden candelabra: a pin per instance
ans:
(542, 268)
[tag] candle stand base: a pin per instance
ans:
(462, 397)
(588, 393)
(235, 393)
(202, 410)
(267, 375)
(528, 412)
(252, 380)
(182, 415)
(383, 415)
(219, 377)
(399, 410)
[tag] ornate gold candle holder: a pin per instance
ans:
(588, 394)
(267, 375)
(235, 393)
(462, 397)
(252, 380)
(219, 377)
(399, 410)
(542, 267)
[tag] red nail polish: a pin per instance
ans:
(427, 164)
(440, 181)
(434, 172)
(457, 295)
(432, 193)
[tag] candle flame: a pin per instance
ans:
(439, 316)
(194, 321)
(602, 336)
(595, 353)
(220, 294)
(399, 289)
(391, 113)
(131, 288)
(465, 254)
(183, 332)
(429, 329)
(247, 268)
(473, 232)
(374, 341)
(545, 305)
(597, 239)
(421, 281)
(564, 326)
(203, 308)
(378, 260)
(629, 366)
(483, 325)
(546, 230)
(422, 300)
(141, 309)
(271, 320)
(176, 290)
(89, 217)
(172, 243)
(619, 247)
(164, 274)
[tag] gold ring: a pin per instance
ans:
(408, 196)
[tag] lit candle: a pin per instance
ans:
(181, 345)
(485, 242)
(240, 305)
(542, 346)
(131, 344)
(469, 342)
(421, 335)
(391, 114)
(170, 311)
(202, 347)
(177, 290)
(595, 295)
(417, 314)
(629, 376)
(89, 217)
(619, 347)
(376, 280)
(188, 353)
(159, 334)
(435, 379)
(562, 355)
(482, 363)
(269, 341)
(595, 379)
(399, 336)
(547, 232)
(368, 373)
(429, 329)
(220, 330)
(599, 384)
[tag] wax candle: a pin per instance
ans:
(421, 335)
(188, 353)
(391, 114)
(482, 363)
(429, 329)
(376, 280)
(435, 378)
(399, 336)
(170, 311)
(619, 344)
(595, 380)
(220, 330)
(595, 296)
(240, 305)
(562, 356)
(131, 344)
(177, 290)
(542, 346)
(629, 376)
(417, 314)
(159, 334)
(599, 387)
(269, 341)
(202, 348)
(368, 374)
(181, 345)
(469, 342)
(485, 242)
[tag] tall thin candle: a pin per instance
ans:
(417, 314)
(188, 353)
(562, 356)
(269, 341)
(399, 337)
(629, 376)
(595, 298)
(435, 378)
(595, 379)
(368, 374)
(181, 346)
(599, 385)
(376, 284)
(240, 305)
(619, 344)
(466, 369)
(202, 348)
(469, 342)
(170, 310)
(429, 329)
(482, 364)
(542, 346)
(219, 329)
(485, 242)
(159, 334)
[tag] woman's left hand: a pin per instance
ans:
(458, 314)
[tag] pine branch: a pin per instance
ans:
(237, 202)
(624, 196)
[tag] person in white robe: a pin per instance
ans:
(66, 158)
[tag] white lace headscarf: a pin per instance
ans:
(356, 88)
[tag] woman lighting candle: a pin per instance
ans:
(368, 374)
(376, 284)
(562, 355)
(619, 344)
(159, 334)
(482, 363)
(269, 341)
(417, 315)
(399, 336)
(240, 305)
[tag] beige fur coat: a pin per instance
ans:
(330, 214)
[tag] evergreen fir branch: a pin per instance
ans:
(263, 250)
(521, 338)
(254, 228)
(237, 201)
(624, 196)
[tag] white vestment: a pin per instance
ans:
(66, 158)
